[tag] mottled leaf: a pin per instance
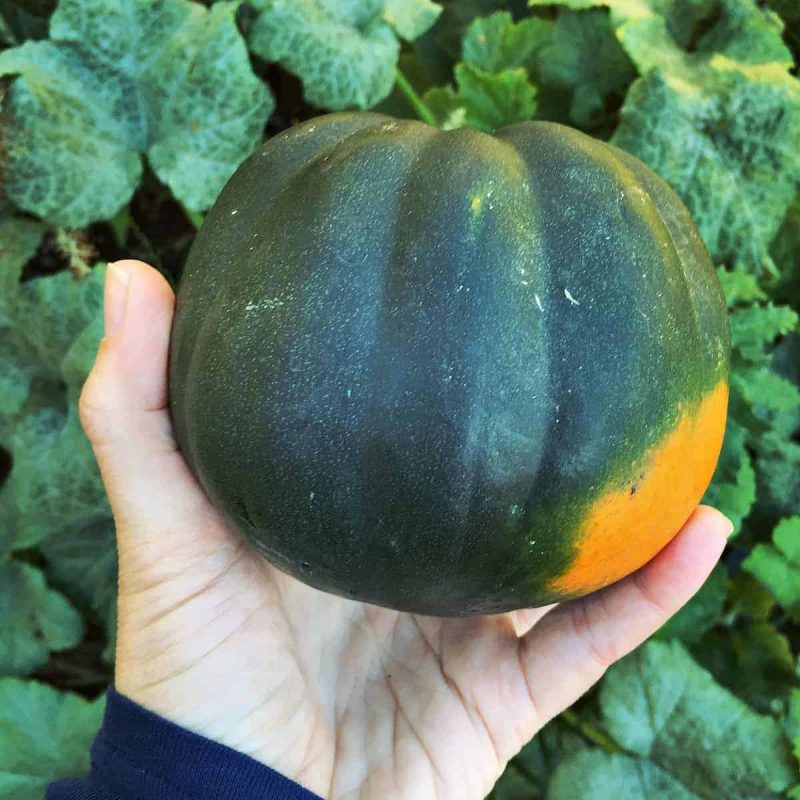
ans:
(55, 480)
(19, 240)
(45, 735)
(36, 620)
(785, 251)
(82, 563)
(116, 80)
(726, 145)
(344, 51)
(55, 324)
(410, 18)
(681, 35)
(686, 736)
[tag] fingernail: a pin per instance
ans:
(730, 529)
(116, 297)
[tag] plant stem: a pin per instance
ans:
(414, 100)
(78, 250)
(591, 732)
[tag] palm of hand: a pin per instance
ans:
(352, 701)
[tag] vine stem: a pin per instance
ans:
(591, 732)
(414, 100)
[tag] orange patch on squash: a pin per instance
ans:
(625, 529)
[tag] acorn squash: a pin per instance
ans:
(450, 372)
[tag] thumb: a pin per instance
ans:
(159, 508)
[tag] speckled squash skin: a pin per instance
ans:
(449, 372)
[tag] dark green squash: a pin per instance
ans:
(449, 372)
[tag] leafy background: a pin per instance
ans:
(120, 122)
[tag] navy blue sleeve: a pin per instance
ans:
(138, 755)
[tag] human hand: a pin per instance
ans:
(353, 701)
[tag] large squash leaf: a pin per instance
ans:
(684, 737)
(36, 620)
(344, 51)
(52, 328)
(118, 79)
(716, 113)
(726, 144)
(44, 735)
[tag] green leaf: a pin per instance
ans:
(410, 18)
(785, 250)
(582, 41)
(726, 144)
(484, 100)
(170, 80)
(82, 563)
(733, 489)
(660, 704)
(595, 775)
(777, 565)
(440, 48)
(44, 735)
(701, 612)
(657, 33)
(755, 326)
(749, 598)
(682, 35)
(753, 660)
(765, 664)
(715, 113)
(344, 51)
(7, 37)
(447, 107)
(686, 736)
(528, 774)
(778, 464)
(540, 757)
(50, 313)
(19, 240)
(739, 286)
(792, 722)
(514, 784)
(764, 389)
(36, 619)
(55, 480)
(496, 43)
(55, 325)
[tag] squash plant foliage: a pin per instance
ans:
(120, 123)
